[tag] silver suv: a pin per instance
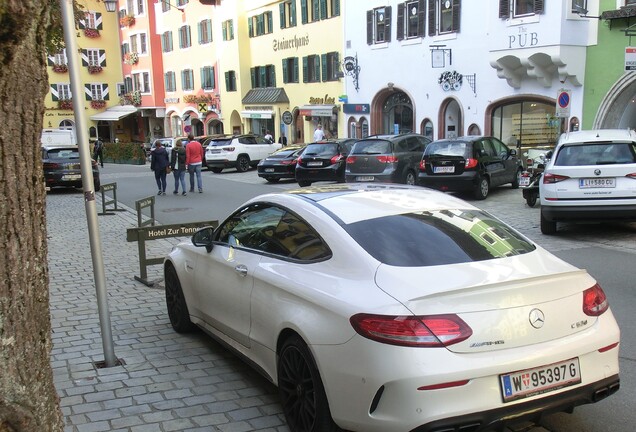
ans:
(238, 151)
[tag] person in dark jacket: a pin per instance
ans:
(178, 165)
(158, 163)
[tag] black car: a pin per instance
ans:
(323, 161)
(62, 167)
(469, 164)
(386, 158)
(281, 164)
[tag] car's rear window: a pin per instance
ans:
(63, 154)
(372, 147)
(220, 142)
(448, 148)
(327, 149)
(606, 153)
(437, 238)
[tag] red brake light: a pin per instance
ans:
(288, 162)
(387, 159)
(471, 163)
(300, 160)
(631, 175)
(351, 159)
(415, 331)
(228, 149)
(529, 162)
(51, 165)
(423, 165)
(549, 178)
(336, 158)
(594, 301)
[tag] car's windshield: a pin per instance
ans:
(606, 153)
(447, 148)
(371, 147)
(437, 238)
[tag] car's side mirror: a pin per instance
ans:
(513, 152)
(204, 237)
(548, 155)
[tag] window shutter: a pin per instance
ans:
(316, 11)
(105, 95)
(421, 18)
(231, 29)
(281, 10)
(200, 31)
(181, 37)
(88, 94)
(262, 81)
(323, 60)
(317, 68)
(171, 47)
(456, 15)
(166, 81)
(102, 58)
(538, 6)
(270, 22)
(253, 77)
(305, 70)
(208, 25)
(203, 78)
(432, 18)
(273, 76)
(250, 27)
(227, 81)
(336, 8)
(50, 60)
(323, 9)
(98, 20)
(212, 77)
(82, 24)
(303, 11)
(400, 22)
(369, 27)
(84, 57)
(285, 79)
(387, 19)
(504, 8)
(295, 62)
(188, 36)
(163, 43)
(292, 17)
(183, 80)
(54, 95)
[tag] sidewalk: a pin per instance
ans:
(168, 382)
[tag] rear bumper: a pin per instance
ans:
(529, 411)
(276, 174)
(588, 213)
(466, 181)
(331, 173)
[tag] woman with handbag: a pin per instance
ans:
(178, 165)
(159, 162)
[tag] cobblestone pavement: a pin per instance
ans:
(171, 382)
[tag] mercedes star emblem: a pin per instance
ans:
(537, 319)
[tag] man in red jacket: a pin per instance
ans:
(194, 161)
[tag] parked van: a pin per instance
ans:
(58, 137)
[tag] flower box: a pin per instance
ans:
(60, 68)
(132, 98)
(131, 58)
(93, 69)
(127, 21)
(98, 103)
(198, 99)
(91, 33)
(65, 104)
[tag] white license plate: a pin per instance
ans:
(603, 182)
(444, 169)
(269, 169)
(524, 181)
(365, 178)
(314, 163)
(544, 379)
(71, 177)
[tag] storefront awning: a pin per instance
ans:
(317, 110)
(115, 113)
(268, 95)
(259, 114)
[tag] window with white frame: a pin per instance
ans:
(97, 91)
(579, 6)
(60, 58)
(133, 44)
(379, 25)
(141, 82)
(522, 8)
(287, 11)
(165, 5)
(64, 91)
(92, 57)
(187, 79)
(444, 16)
(170, 80)
(90, 20)
(140, 7)
(207, 78)
(185, 40)
(166, 41)
(138, 43)
(227, 27)
(205, 31)
(411, 19)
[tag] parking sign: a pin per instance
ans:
(630, 59)
(563, 103)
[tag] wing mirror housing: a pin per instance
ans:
(204, 238)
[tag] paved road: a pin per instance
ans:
(172, 382)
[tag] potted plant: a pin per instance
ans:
(98, 103)
(127, 20)
(93, 69)
(91, 33)
(65, 104)
(131, 58)
(132, 98)
(60, 68)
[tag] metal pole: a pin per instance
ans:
(87, 180)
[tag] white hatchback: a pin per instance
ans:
(590, 177)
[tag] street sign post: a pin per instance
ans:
(564, 98)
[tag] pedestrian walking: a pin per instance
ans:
(178, 165)
(98, 151)
(319, 134)
(158, 163)
(194, 161)
(268, 137)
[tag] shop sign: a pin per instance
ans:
(356, 108)
(524, 39)
(287, 118)
(630, 59)
(326, 100)
(171, 100)
(450, 80)
(295, 42)
(317, 112)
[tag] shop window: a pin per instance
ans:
(364, 127)
(411, 19)
(473, 129)
(574, 124)
(353, 128)
(397, 114)
(526, 124)
(379, 25)
(443, 16)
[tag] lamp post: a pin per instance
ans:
(88, 185)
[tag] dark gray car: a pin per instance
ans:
(386, 158)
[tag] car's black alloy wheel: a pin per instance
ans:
(301, 390)
(242, 163)
(410, 178)
(175, 301)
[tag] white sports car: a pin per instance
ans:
(395, 308)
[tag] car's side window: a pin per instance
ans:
(402, 146)
(488, 148)
(500, 148)
(251, 227)
(294, 238)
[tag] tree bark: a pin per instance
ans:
(28, 400)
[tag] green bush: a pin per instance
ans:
(125, 153)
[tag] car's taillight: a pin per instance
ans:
(594, 301)
(423, 165)
(549, 178)
(51, 165)
(470, 163)
(289, 162)
(387, 159)
(228, 149)
(415, 331)
(631, 175)
(351, 159)
(529, 162)
(336, 159)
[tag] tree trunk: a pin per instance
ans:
(28, 400)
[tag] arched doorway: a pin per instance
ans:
(450, 119)
(103, 131)
(474, 129)
(299, 126)
(426, 129)
(214, 127)
(618, 109)
(392, 112)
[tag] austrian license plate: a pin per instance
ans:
(603, 182)
(269, 169)
(314, 164)
(443, 169)
(71, 177)
(544, 379)
(365, 178)
(524, 181)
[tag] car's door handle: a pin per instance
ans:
(241, 269)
